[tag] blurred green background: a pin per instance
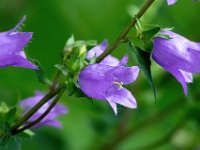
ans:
(173, 123)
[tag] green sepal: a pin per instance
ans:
(26, 134)
(62, 68)
(7, 114)
(143, 59)
(40, 74)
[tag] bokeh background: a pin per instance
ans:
(172, 123)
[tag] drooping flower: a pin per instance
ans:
(177, 55)
(11, 48)
(105, 80)
(171, 2)
(50, 118)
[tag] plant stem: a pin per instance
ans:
(122, 36)
(35, 108)
(43, 115)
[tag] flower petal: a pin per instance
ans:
(12, 42)
(125, 74)
(98, 50)
(179, 76)
(187, 76)
(95, 79)
(16, 60)
(53, 123)
(120, 96)
(178, 52)
(123, 61)
(171, 2)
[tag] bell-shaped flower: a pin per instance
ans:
(50, 118)
(11, 48)
(105, 80)
(177, 55)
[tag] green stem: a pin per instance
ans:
(43, 115)
(35, 108)
(123, 35)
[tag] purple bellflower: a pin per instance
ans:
(49, 120)
(178, 55)
(11, 45)
(105, 80)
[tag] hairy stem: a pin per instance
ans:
(123, 35)
(35, 108)
(43, 115)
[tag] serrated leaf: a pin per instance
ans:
(143, 60)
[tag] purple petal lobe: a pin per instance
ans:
(11, 46)
(98, 50)
(124, 61)
(120, 96)
(171, 2)
(95, 79)
(187, 76)
(179, 76)
(126, 75)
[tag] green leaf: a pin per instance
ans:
(69, 44)
(150, 33)
(143, 60)
(3, 107)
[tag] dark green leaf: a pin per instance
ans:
(143, 60)
(150, 33)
